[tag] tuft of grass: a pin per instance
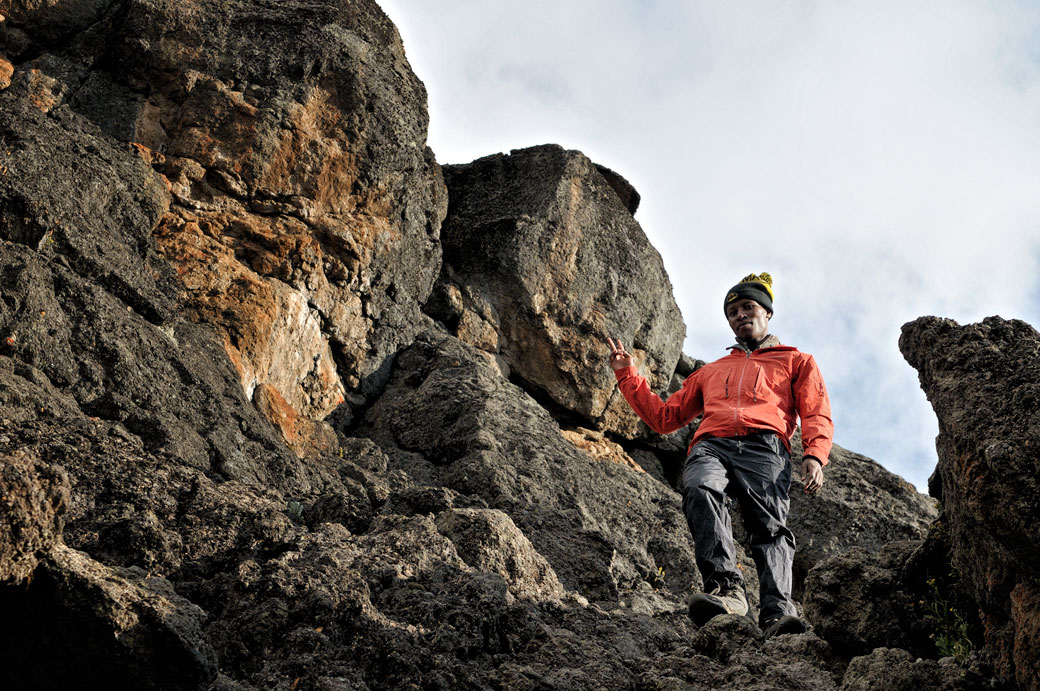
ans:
(950, 630)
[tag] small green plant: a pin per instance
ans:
(295, 510)
(950, 628)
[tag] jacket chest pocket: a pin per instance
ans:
(764, 382)
(723, 383)
(756, 381)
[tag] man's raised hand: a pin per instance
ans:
(619, 357)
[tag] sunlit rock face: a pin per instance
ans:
(983, 380)
(304, 205)
(89, 315)
(544, 261)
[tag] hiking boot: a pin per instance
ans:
(785, 624)
(705, 606)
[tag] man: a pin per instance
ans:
(749, 402)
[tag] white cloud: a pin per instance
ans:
(881, 159)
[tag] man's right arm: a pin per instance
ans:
(661, 416)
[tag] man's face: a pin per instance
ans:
(748, 319)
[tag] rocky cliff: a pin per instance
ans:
(286, 405)
(983, 380)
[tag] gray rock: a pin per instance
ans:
(543, 262)
(89, 307)
(293, 189)
(34, 496)
(983, 380)
(897, 670)
(622, 188)
(858, 601)
(489, 541)
(860, 505)
(81, 624)
(331, 133)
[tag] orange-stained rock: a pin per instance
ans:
(308, 438)
(6, 71)
(307, 208)
(273, 334)
(44, 91)
(597, 446)
(1025, 614)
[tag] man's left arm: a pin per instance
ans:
(814, 409)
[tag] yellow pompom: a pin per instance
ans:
(765, 279)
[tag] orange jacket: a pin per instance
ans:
(765, 389)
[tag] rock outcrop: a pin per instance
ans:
(292, 191)
(897, 670)
(859, 601)
(983, 380)
(89, 318)
(101, 627)
(542, 262)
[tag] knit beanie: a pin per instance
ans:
(758, 287)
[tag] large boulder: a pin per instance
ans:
(297, 199)
(859, 600)
(897, 670)
(542, 262)
(151, 542)
(983, 381)
(488, 540)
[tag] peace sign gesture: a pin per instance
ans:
(619, 357)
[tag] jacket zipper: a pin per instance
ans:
(740, 385)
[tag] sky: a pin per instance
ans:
(880, 159)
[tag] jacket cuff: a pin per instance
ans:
(817, 455)
(624, 373)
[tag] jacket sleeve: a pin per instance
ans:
(661, 416)
(814, 409)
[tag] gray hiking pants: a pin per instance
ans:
(756, 471)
